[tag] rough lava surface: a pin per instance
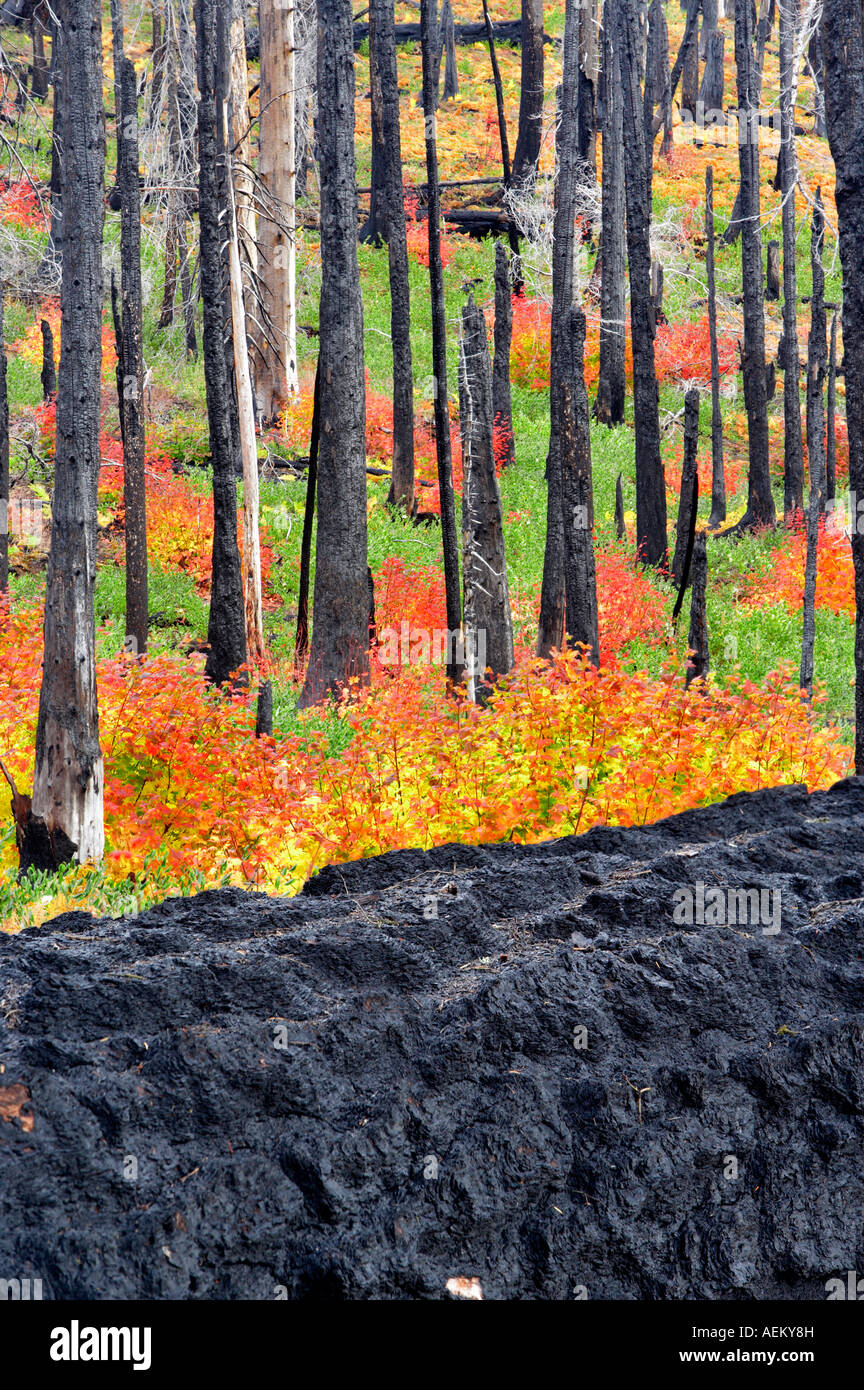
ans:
(376, 1087)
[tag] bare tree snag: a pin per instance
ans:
(817, 355)
(611, 381)
(301, 641)
(448, 42)
(449, 540)
(530, 131)
(760, 501)
(67, 817)
(688, 473)
(577, 498)
(226, 630)
(650, 483)
(718, 477)
(713, 80)
(772, 272)
(276, 361)
(487, 617)
(391, 220)
(793, 457)
(831, 412)
(239, 143)
(698, 661)
(620, 527)
(38, 33)
(129, 331)
(843, 51)
(339, 651)
(690, 69)
(501, 398)
(48, 375)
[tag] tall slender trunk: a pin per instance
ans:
(276, 361)
(239, 141)
(577, 499)
(226, 631)
(67, 814)
(830, 416)
(793, 459)
(340, 631)
(718, 477)
(385, 88)
(689, 490)
(4, 459)
(501, 397)
(439, 338)
(650, 482)
(843, 51)
(817, 352)
(130, 360)
(699, 659)
(530, 131)
(39, 30)
(760, 501)
(611, 381)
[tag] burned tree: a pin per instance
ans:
(718, 478)
(340, 629)
(530, 130)
(843, 51)
(816, 355)
(711, 90)
(4, 459)
(793, 459)
(48, 375)
(487, 616)
(128, 327)
(830, 415)
(760, 501)
(611, 382)
(448, 43)
(391, 224)
(698, 660)
(689, 491)
(502, 407)
(577, 501)
(226, 631)
(449, 541)
(650, 483)
(67, 820)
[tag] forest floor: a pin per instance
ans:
(192, 799)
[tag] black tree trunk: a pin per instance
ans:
(580, 580)
(4, 459)
(688, 491)
(502, 408)
(530, 131)
(718, 478)
(339, 651)
(226, 631)
(650, 483)
(698, 661)
(611, 382)
(48, 375)
(793, 457)
(830, 416)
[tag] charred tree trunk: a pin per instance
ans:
(657, 90)
(226, 632)
(793, 458)
(620, 527)
(760, 502)
(301, 642)
(505, 452)
(843, 50)
(698, 661)
(48, 375)
(382, 51)
(650, 483)
(718, 478)
(52, 260)
(448, 43)
(530, 131)
(690, 69)
(38, 33)
(449, 540)
(688, 474)
(340, 631)
(487, 617)
(817, 352)
(580, 580)
(129, 329)
(67, 816)
(4, 459)
(831, 412)
(588, 64)
(709, 26)
(690, 36)
(772, 272)
(611, 382)
(713, 81)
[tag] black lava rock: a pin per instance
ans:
(505, 1064)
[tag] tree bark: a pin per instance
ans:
(698, 661)
(449, 540)
(448, 41)
(239, 140)
(301, 641)
(129, 329)
(48, 375)
(340, 633)
(530, 132)
(713, 78)
(843, 51)
(793, 458)
(502, 407)
(817, 352)
(611, 382)
(385, 108)
(831, 411)
(226, 631)
(760, 501)
(67, 815)
(276, 358)
(580, 580)
(718, 478)
(488, 620)
(39, 30)
(688, 474)
(650, 483)
(588, 64)
(690, 69)
(772, 272)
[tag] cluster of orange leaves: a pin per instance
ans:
(562, 748)
(784, 581)
(530, 345)
(19, 206)
(682, 352)
(29, 345)
(417, 234)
